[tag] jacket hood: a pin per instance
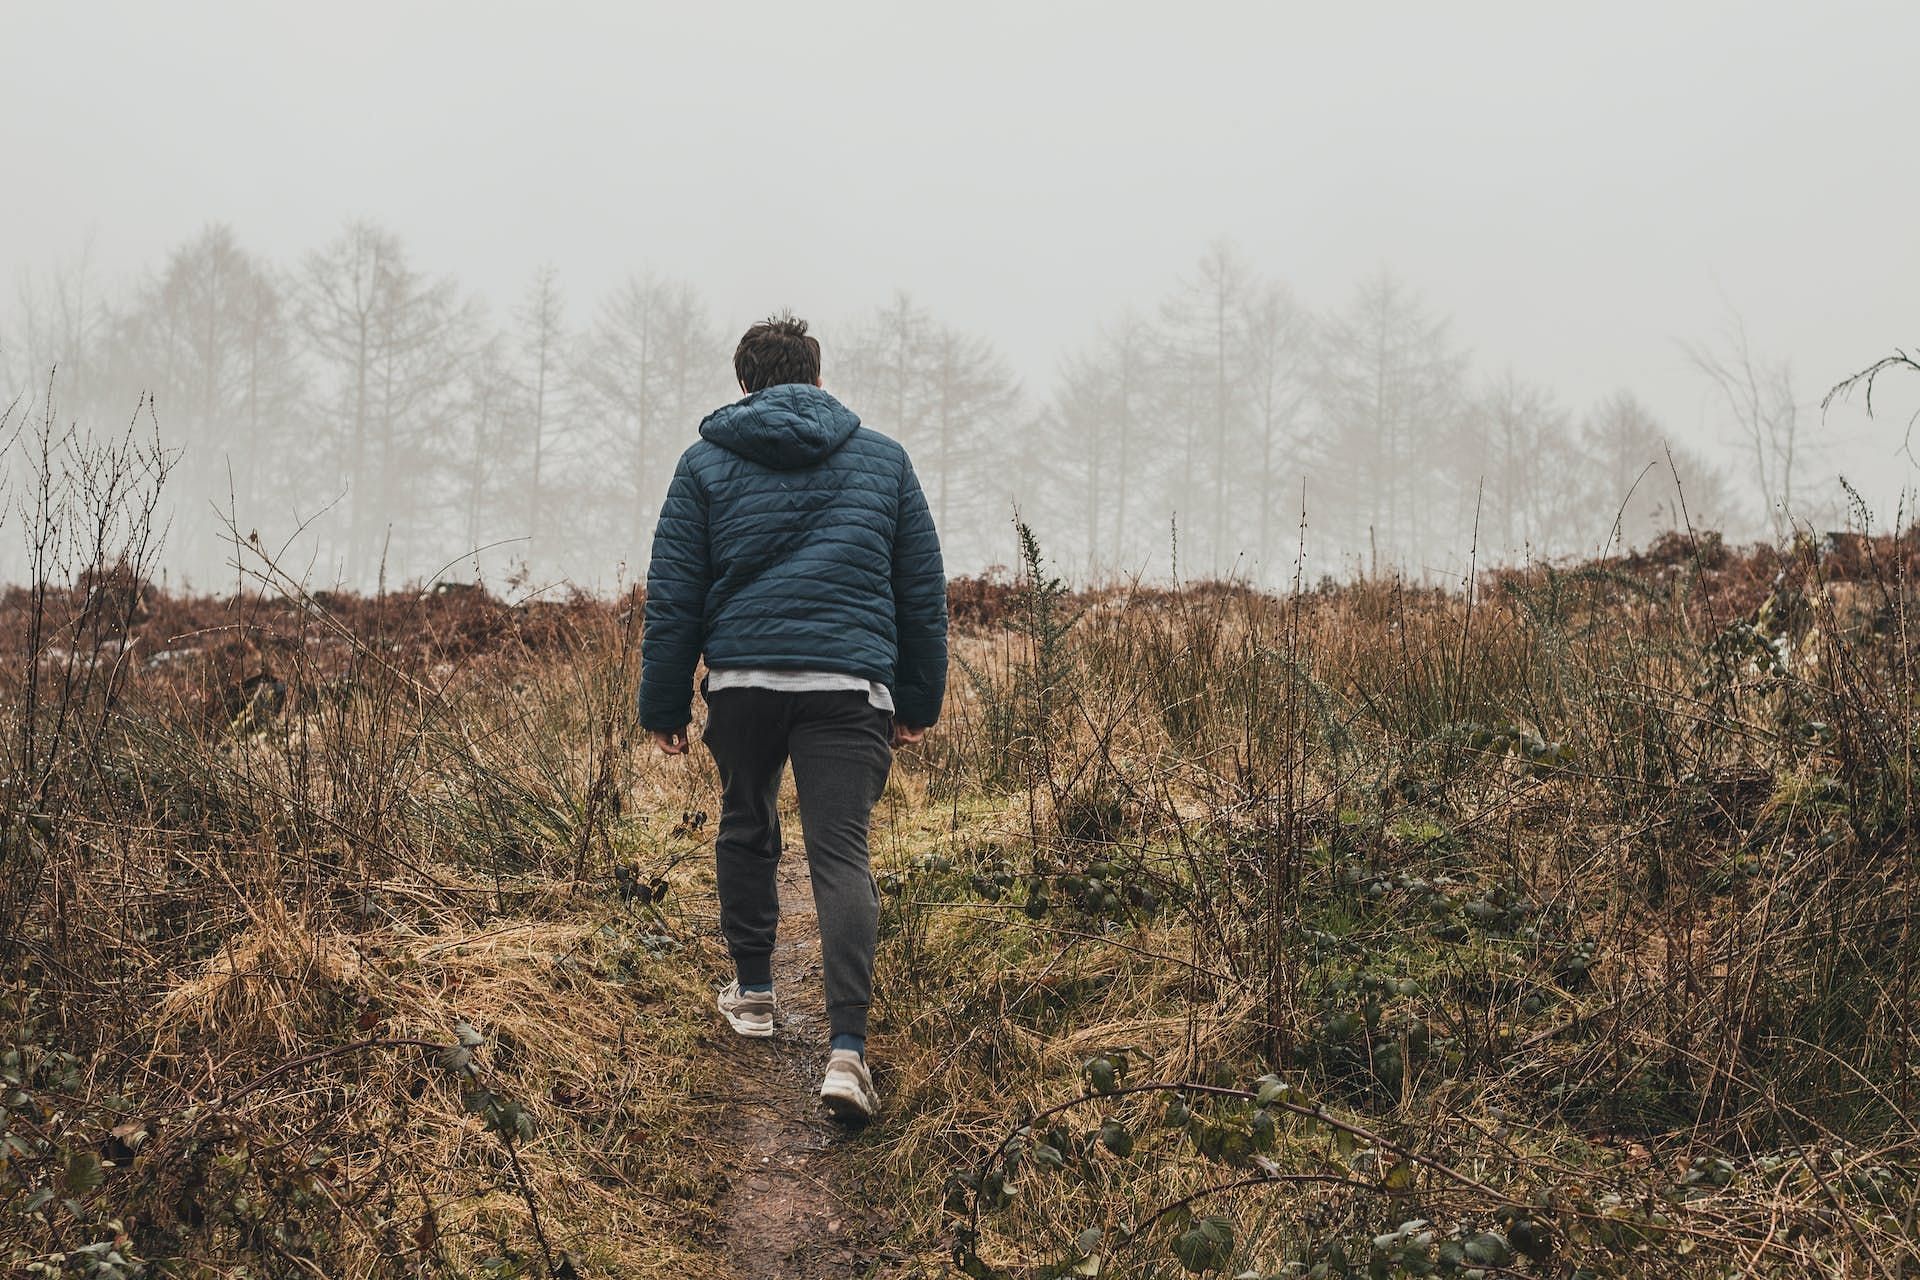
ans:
(786, 427)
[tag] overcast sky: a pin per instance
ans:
(1580, 187)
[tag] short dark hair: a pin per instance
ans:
(777, 350)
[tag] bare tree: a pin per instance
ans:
(1072, 428)
(972, 397)
(270, 402)
(1128, 355)
(1097, 446)
(1514, 450)
(389, 342)
(1635, 461)
(1205, 339)
(652, 367)
(946, 395)
(879, 368)
(542, 337)
(210, 340)
(1278, 339)
(1389, 391)
(489, 404)
(1758, 394)
(61, 322)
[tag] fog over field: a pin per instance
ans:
(450, 287)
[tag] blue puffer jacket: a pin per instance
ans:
(792, 537)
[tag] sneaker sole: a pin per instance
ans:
(757, 1031)
(848, 1108)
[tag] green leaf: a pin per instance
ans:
(84, 1172)
(1272, 1089)
(1114, 1136)
(1206, 1246)
(510, 1120)
(1399, 1178)
(1088, 1262)
(1489, 1248)
(971, 1264)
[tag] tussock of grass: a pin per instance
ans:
(602, 1041)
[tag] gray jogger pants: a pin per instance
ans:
(840, 747)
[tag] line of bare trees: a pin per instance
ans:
(1238, 408)
(384, 412)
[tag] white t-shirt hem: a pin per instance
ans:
(801, 682)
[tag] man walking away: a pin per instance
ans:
(796, 552)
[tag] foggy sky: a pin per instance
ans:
(1579, 188)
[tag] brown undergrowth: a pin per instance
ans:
(1560, 927)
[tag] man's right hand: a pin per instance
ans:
(907, 735)
(672, 742)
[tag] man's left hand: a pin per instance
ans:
(906, 735)
(671, 742)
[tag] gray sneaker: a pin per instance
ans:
(848, 1088)
(748, 1012)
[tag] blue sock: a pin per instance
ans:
(756, 986)
(856, 1043)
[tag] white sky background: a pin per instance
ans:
(1580, 187)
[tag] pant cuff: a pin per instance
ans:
(753, 970)
(847, 1020)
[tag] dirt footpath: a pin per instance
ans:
(792, 1209)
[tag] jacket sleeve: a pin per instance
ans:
(678, 577)
(920, 608)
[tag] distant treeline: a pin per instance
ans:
(405, 428)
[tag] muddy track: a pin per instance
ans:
(792, 1207)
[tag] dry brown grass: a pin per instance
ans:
(251, 924)
(1729, 839)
